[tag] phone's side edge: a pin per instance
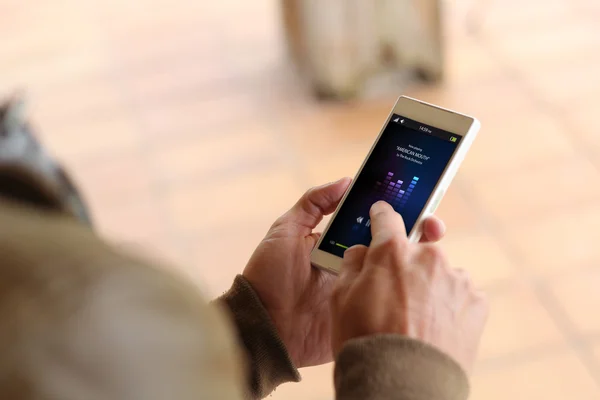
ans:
(318, 244)
(448, 175)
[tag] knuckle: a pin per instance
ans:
(354, 251)
(311, 201)
(309, 193)
(337, 293)
(391, 243)
(281, 227)
(433, 254)
(312, 197)
(353, 259)
(279, 222)
(480, 296)
(389, 249)
(464, 276)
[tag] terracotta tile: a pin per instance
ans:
(72, 98)
(589, 8)
(558, 242)
(553, 377)
(145, 36)
(517, 323)
(190, 116)
(33, 34)
(469, 62)
(323, 169)
(327, 130)
(164, 16)
(160, 81)
(58, 73)
(247, 197)
(481, 255)
(538, 48)
(457, 213)
(162, 64)
(247, 146)
(517, 142)
(441, 95)
(86, 137)
(534, 193)
(583, 120)
(317, 383)
(137, 222)
(491, 101)
(217, 258)
(499, 19)
(568, 85)
(162, 251)
(595, 349)
(97, 179)
(579, 297)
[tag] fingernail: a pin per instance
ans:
(342, 180)
(379, 207)
(442, 227)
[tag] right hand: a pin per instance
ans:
(409, 289)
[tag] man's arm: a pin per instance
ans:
(397, 367)
(397, 308)
(375, 367)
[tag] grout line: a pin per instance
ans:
(157, 184)
(493, 364)
(563, 273)
(532, 218)
(257, 224)
(219, 176)
(546, 298)
(495, 172)
(292, 157)
(568, 330)
(488, 223)
(555, 112)
(230, 171)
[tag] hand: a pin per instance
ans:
(409, 289)
(296, 295)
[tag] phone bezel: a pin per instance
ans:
(428, 114)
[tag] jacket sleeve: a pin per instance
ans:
(372, 368)
(394, 367)
(269, 362)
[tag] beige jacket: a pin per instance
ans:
(81, 320)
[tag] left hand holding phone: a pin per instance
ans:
(296, 295)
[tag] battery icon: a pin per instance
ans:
(453, 139)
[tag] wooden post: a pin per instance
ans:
(340, 44)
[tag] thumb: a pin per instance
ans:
(316, 203)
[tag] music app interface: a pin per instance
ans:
(403, 170)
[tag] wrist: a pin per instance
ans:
(269, 359)
(291, 338)
(279, 317)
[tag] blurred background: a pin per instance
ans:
(190, 129)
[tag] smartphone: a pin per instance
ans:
(410, 166)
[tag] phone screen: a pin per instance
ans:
(403, 169)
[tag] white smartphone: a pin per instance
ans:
(410, 166)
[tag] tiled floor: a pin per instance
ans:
(190, 135)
